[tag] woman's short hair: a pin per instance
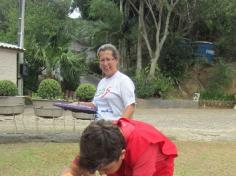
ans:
(108, 46)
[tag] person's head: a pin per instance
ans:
(102, 147)
(108, 59)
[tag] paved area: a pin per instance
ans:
(180, 124)
(192, 124)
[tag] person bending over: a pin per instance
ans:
(125, 147)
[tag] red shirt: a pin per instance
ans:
(148, 151)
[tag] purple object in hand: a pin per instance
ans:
(77, 108)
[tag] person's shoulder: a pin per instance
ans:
(123, 76)
(101, 81)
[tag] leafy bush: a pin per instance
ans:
(71, 67)
(94, 67)
(176, 57)
(221, 79)
(216, 95)
(7, 88)
(149, 87)
(145, 87)
(218, 83)
(163, 84)
(49, 89)
(85, 92)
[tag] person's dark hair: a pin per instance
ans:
(101, 143)
(110, 47)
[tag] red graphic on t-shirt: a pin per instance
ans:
(107, 90)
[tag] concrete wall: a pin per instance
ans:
(8, 65)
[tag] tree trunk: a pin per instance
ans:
(154, 7)
(121, 6)
(139, 45)
(160, 40)
(154, 62)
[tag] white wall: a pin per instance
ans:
(8, 65)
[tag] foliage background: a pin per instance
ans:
(49, 32)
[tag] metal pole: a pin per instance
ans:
(20, 36)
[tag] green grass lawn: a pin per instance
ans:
(48, 159)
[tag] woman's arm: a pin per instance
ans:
(127, 97)
(90, 104)
(129, 111)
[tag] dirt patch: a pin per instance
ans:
(198, 78)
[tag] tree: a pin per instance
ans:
(155, 40)
(140, 32)
(70, 67)
(216, 23)
(48, 31)
(8, 21)
(96, 26)
(106, 21)
(184, 16)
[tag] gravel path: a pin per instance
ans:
(192, 124)
(180, 124)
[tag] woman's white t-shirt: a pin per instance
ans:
(113, 95)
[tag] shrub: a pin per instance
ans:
(176, 57)
(145, 87)
(216, 95)
(218, 84)
(49, 89)
(163, 84)
(85, 92)
(7, 88)
(148, 87)
(93, 67)
(222, 77)
(71, 67)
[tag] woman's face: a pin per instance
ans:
(108, 64)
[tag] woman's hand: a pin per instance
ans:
(90, 104)
(67, 174)
(74, 170)
(75, 103)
